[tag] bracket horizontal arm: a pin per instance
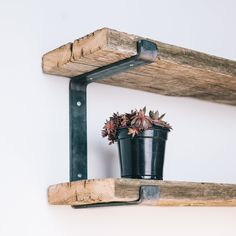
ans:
(147, 195)
(146, 53)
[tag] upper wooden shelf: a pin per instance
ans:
(171, 193)
(176, 72)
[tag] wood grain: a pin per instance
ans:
(176, 72)
(121, 190)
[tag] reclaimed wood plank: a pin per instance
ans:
(176, 72)
(172, 193)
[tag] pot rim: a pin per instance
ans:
(153, 127)
(156, 132)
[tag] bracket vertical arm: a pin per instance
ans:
(146, 53)
(78, 130)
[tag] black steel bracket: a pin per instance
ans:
(146, 53)
(148, 194)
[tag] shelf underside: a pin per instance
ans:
(176, 72)
(94, 191)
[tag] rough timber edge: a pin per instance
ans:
(56, 61)
(125, 44)
(172, 193)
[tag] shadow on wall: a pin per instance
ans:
(105, 164)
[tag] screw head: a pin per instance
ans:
(79, 175)
(79, 103)
(131, 65)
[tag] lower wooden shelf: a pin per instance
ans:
(172, 193)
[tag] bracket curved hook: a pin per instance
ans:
(147, 195)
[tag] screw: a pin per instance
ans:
(79, 103)
(79, 175)
(131, 65)
(90, 78)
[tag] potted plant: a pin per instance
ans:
(141, 142)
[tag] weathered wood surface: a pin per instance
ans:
(121, 190)
(176, 72)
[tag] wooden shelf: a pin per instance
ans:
(176, 72)
(88, 192)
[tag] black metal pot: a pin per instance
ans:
(142, 157)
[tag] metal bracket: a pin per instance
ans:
(146, 53)
(148, 194)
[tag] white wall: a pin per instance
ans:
(34, 117)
